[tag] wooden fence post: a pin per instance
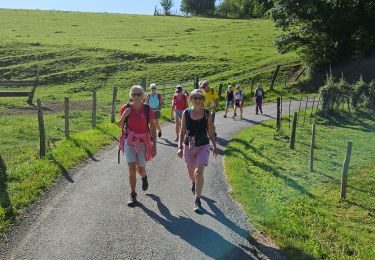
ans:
(294, 128)
(312, 110)
(304, 115)
(345, 168)
(274, 76)
(143, 83)
(30, 99)
(42, 134)
(220, 89)
(290, 102)
(196, 82)
(299, 108)
(94, 108)
(114, 97)
(312, 146)
(66, 117)
(278, 115)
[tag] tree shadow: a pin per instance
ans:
(268, 168)
(202, 238)
(271, 252)
(168, 143)
(88, 152)
(101, 129)
(372, 210)
(248, 146)
(4, 195)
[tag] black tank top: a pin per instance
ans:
(198, 128)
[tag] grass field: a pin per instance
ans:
(77, 52)
(301, 210)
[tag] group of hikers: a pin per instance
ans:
(139, 121)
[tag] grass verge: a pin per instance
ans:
(301, 210)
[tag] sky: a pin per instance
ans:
(111, 6)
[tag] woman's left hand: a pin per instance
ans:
(153, 151)
(214, 152)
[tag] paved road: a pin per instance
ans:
(88, 218)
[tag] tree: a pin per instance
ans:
(325, 31)
(167, 5)
(198, 7)
(244, 8)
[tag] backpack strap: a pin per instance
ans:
(126, 118)
(147, 113)
(187, 117)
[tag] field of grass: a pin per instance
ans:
(77, 52)
(299, 209)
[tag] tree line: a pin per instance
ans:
(323, 32)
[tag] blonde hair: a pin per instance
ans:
(202, 83)
(197, 92)
(136, 89)
(229, 86)
(153, 85)
(238, 86)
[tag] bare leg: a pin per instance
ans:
(141, 171)
(191, 174)
(157, 125)
(132, 175)
(199, 181)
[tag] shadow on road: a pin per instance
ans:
(4, 196)
(202, 238)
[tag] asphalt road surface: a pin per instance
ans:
(86, 217)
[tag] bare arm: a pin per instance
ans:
(153, 134)
(121, 122)
(181, 135)
(211, 134)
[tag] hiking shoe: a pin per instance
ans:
(144, 183)
(225, 116)
(159, 134)
(132, 199)
(176, 140)
(197, 205)
(193, 188)
(235, 114)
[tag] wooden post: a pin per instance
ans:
(304, 115)
(42, 135)
(281, 107)
(66, 117)
(94, 108)
(31, 96)
(220, 89)
(299, 74)
(312, 146)
(345, 168)
(294, 128)
(299, 108)
(196, 82)
(114, 98)
(252, 88)
(312, 110)
(274, 76)
(278, 115)
(143, 83)
(290, 103)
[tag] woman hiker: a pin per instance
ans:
(197, 129)
(238, 101)
(228, 99)
(258, 98)
(155, 100)
(137, 123)
(180, 102)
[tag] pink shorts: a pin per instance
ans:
(196, 157)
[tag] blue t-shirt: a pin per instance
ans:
(154, 101)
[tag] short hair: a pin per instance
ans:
(138, 89)
(197, 92)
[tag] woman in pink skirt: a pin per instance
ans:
(197, 129)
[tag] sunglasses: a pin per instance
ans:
(196, 98)
(137, 94)
(153, 88)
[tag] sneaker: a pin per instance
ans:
(144, 183)
(159, 134)
(197, 205)
(235, 114)
(193, 188)
(225, 116)
(176, 140)
(132, 199)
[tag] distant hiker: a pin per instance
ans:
(211, 99)
(258, 98)
(238, 101)
(197, 129)
(138, 138)
(155, 100)
(180, 102)
(229, 97)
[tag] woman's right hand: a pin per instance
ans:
(180, 152)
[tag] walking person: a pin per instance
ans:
(211, 99)
(238, 101)
(197, 129)
(258, 98)
(229, 99)
(138, 138)
(155, 100)
(180, 102)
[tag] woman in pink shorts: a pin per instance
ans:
(197, 129)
